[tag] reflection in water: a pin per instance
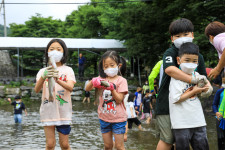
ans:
(85, 133)
(17, 130)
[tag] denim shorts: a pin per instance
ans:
(117, 128)
(18, 118)
(64, 129)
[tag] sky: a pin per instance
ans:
(20, 13)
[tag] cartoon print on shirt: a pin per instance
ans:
(59, 98)
(18, 106)
(62, 101)
(109, 103)
(63, 77)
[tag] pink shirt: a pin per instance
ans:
(219, 43)
(108, 109)
(61, 108)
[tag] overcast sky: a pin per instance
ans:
(21, 13)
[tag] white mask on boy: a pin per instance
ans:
(188, 67)
(111, 72)
(178, 42)
(56, 55)
(223, 85)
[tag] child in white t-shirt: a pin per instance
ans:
(131, 112)
(186, 114)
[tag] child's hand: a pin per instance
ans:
(198, 90)
(9, 99)
(218, 115)
(56, 75)
(195, 79)
(97, 82)
(111, 87)
(49, 72)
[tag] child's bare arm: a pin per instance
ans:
(140, 107)
(68, 85)
(131, 110)
(177, 74)
(89, 86)
(118, 96)
(150, 105)
(25, 110)
(39, 85)
(196, 90)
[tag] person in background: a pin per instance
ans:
(131, 112)
(216, 106)
(147, 106)
(215, 32)
(145, 87)
(18, 108)
(87, 93)
(157, 69)
(82, 61)
(138, 99)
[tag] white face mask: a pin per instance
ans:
(57, 56)
(111, 72)
(149, 95)
(178, 42)
(188, 67)
(223, 85)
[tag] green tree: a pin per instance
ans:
(36, 26)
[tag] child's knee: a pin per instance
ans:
(119, 146)
(108, 146)
(50, 144)
(64, 145)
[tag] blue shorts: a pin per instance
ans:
(117, 128)
(18, 118)
(64, 129)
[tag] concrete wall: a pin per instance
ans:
(6, 67)
(26, 91)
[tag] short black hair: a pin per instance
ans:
(131, 97)
(17, 97)
(147, 91)
(182, 25)
(65, 50)
(116, 58)
(188, 48)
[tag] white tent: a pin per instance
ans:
(30, 43)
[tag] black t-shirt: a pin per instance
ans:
(146, 102)
(18, 107)
(169, 59)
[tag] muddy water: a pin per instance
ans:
(85, 132)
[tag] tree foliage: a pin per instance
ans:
(143, 26)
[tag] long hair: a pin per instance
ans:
(113, 55)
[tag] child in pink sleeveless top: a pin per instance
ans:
(56, 114)
(111, 110)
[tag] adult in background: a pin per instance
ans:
(215, 31)
(81, 66)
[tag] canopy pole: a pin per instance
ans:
(21, 68)
(139, 74)
(18, 62)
